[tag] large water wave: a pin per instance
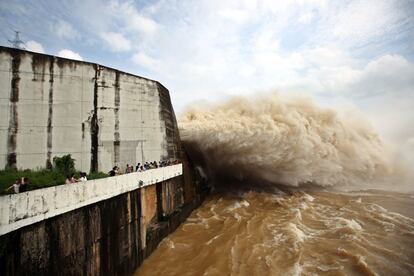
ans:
(283, 139)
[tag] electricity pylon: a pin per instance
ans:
(17, 42)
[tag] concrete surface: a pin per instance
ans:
(19, 210)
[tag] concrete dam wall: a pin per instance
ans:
(51, 106)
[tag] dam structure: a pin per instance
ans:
(52, 106)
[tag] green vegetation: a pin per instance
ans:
(37, 179)
(64, 165)
(97, 175)
(42, 178)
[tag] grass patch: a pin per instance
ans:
(96, 175)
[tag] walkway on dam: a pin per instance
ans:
(19, 210)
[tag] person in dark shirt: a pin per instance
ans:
(24, 183)
(113, 171)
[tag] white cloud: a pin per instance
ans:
(116, 41)
(236, 15)
(306, 17)
(34, 47)
(65, 53)
(362, 22)
(388, 74)
(146, 61)
(142, 24)
(132, 19)
(64, 29)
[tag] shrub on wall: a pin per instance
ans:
(64, 165)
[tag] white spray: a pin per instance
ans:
(285, 139)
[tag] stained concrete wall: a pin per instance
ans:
(51, 106)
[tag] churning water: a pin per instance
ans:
(312, 233)
(282, 165)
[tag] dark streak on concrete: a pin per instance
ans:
(117, 103)
(62, 62)
(50, 115)
(39, 67)
(94, 123)
(83, 131)
(39, 62)
(14, 118)
(160, 213)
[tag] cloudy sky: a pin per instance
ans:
(356, 53)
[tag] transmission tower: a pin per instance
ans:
(17, 42)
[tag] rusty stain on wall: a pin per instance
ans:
(148, 209)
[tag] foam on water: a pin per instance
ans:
(297, 233)
(335, 234)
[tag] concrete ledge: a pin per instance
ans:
(19, 210)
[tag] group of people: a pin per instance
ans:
(143, 167)
(146, 166)
(71, 178)
(20, 185)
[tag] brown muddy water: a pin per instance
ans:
(312, 233)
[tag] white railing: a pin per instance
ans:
(19, 210)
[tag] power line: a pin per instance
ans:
(17, 42)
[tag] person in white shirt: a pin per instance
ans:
(83, 177)
(15, 186)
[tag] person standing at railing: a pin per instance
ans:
(83, 177)
(15, 186)
(23, 184)
(114, 171)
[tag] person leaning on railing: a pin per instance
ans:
(15, 186)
